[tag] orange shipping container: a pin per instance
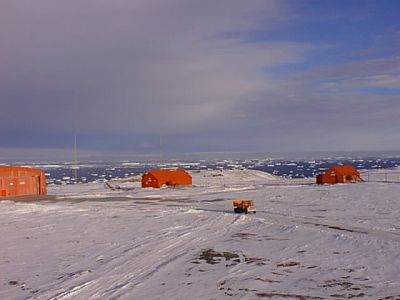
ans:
(20, 181)
(158, 178)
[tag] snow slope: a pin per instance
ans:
(305, 242)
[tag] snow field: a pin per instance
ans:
(305, 242)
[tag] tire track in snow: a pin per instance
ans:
(330, 225)
(170, 253)
(129, 267)
(71, 292)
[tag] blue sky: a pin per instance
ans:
(199, 75)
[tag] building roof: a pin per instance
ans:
(7, 169)
(343, 170)
(167, 175)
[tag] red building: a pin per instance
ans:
(158, 178)
(20, 181)
(339, 174)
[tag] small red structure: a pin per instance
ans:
(20, 181)
(158, 178)
(339, 174)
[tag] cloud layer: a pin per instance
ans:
(183, 75)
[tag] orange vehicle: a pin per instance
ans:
(244, 206)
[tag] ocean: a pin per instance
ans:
(64, 173)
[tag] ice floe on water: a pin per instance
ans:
(64, 173)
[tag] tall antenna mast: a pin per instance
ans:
(162, 144)
(75, 167)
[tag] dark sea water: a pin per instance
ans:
(64, 173)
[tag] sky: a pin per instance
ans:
(182, 76)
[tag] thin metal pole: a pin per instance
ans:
(75, 160)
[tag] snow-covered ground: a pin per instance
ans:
(305, 242)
